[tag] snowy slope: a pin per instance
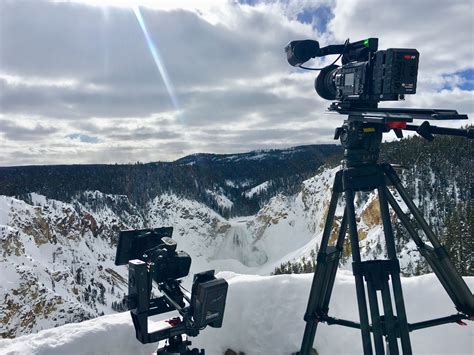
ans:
(264, 316)
(289, 228)
(58, 258)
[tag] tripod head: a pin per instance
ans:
(361, 134)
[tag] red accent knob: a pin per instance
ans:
(173, 321)
(397, 124)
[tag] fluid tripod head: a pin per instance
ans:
(361, 133)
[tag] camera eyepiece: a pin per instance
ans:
(298, 52)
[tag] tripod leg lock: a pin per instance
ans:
(317, 316)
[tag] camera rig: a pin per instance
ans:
(367, 77)
(152, 257)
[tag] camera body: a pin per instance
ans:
(167, 263)
(367, 75)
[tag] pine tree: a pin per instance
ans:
(459, 238)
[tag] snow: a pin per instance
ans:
(6, 205)
(257, 189)
(255, 155)
(230, 183)
(264, 316)
(8, 277)
(289, 227)
(221, 200)
(38, 200)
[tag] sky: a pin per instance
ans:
(120, 81)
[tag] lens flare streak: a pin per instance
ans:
(157, 58)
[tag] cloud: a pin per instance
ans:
(442, 32)
(19, 132)
(87, 71)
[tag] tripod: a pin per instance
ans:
(361, 137)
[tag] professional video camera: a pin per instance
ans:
(367, 77)
(151, 256)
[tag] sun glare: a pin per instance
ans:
(157, 58)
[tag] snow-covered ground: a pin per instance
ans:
(264, 316)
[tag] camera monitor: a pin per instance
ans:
(133, 243)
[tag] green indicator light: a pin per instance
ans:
(366, 42)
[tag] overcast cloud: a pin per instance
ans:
(78, 83)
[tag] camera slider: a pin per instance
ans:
(402, 114)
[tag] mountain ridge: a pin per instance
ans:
(193, 176)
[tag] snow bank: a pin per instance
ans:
(264, 316)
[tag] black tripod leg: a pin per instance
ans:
(338, 251)
(359, 282)
(327, 262)
(404, 219)
(411, 206)
(440, 263)
(436, 256)
(375, 317)
(396, 283)
(389, 320)
(420, 244)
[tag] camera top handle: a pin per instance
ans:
(299, 52)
